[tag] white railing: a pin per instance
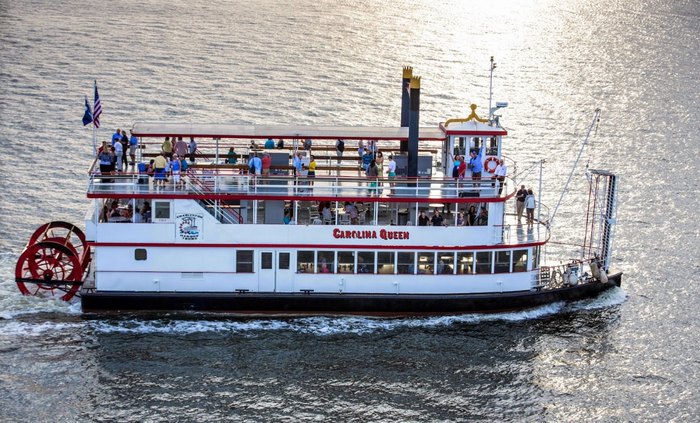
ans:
(226, 181)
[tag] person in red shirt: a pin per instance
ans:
(266, 161)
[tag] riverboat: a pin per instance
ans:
(330, 241)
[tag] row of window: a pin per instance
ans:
(387, 262)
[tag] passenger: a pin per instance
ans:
(175, 170)
(423, 219)
(269, 144)
(460, 219)
(287, 217)
(327, 215)
(138, 218)
(372, 146)
(116, 136)
(297, 164)
(462, 170)
(114, 209)
(128, 212)
(437, 219)
(391, 169)
(253, 145)
(500, 175)
(280, 144)
(133, 144)
(372, 173)
(192, 149)
(455, 166)
(352, 212)
(231, 156)
(266, 161)
(125, 148)
(483, 218)
(307, 144)
(476, 164)
(520, 202)
(160, 164)
(471, 216)
(150, 170)
(312, 167)
(105, 158)
(339, 149)
(324, 268)
(167, 148)
(360, 150)
(180, 148)
(255, 165)
(119, 155)
(366, 159)
(530, 207)
(146, 212)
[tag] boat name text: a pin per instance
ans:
(369, 234)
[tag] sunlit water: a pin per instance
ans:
(629, 355)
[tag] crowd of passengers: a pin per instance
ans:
(174, 153)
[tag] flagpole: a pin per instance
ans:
(94, 139)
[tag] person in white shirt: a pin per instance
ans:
(119, 152)
(500, 175)
(391, 169)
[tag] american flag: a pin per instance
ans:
(96, 109)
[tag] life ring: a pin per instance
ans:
(487, 164)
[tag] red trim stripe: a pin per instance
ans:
(320, 246)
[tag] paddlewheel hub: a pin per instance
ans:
(54, 261)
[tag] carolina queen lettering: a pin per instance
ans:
(369, 234)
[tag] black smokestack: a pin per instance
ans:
(405, 100)
(413, 120)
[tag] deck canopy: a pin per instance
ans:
(160, 129)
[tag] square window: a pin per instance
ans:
(244, 261)
(140, 254)
(346, 262)
(483, 262)
(520, 261)
(405, 263)
(162, 210)
(326, 262)
(305, 262)
(502, 264)
(284, 261)
(465, 263)
(266, 260)
(365, 262)
(385, 263)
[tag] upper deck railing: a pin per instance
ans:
(215, 182)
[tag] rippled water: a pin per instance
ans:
(630, 355)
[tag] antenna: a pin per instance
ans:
(596, 119)
(493, 66)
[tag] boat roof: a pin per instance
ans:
(471, 127)
(199, 130)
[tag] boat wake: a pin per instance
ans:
(56, 316)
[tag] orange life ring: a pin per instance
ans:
(487, 163)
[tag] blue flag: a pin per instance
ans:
(87, 117)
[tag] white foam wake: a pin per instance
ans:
(316, 325)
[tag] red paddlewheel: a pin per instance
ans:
(62, 233)
(49, 269)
